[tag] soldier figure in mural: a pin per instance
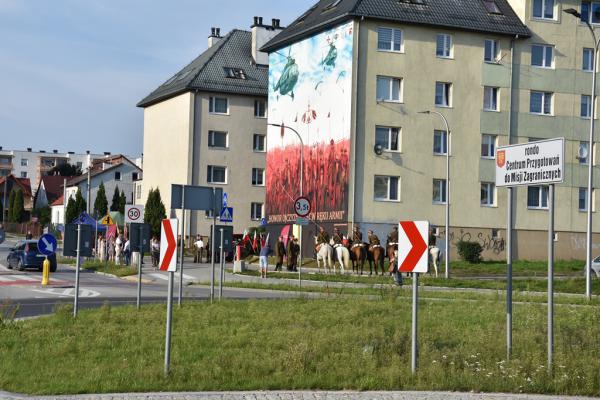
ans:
(376, 253)
(358, 251)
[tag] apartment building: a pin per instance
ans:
(499, 74)
(206, 125)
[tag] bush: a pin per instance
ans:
(470, 252)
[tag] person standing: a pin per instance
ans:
(265, 252)
(29, 235)
(111, 249)
(127, 251)
(119, 249)
(290, 254)
(394, 269)
(198, 249)
(279, 253)
(102, 248)
(155, 251)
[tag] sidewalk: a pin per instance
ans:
(300, 395)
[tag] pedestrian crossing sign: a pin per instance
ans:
(226, 214)
(107, 221)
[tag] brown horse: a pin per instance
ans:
(358, 255)
(376, 255)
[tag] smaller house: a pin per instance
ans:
(8, 183)
(49, 190)
(58, 211)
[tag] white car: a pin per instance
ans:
(596, 266)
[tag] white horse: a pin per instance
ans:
(343, 257)
(434, 256)
(325, 255)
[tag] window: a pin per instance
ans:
(389, 39)
(542, 56)
(216, 174)
(491, 51)
(256, 211)
(260, 108)
(387, 188)
(134, 176)
(217, 139)
(138, 190)
(23, 174)
(443, 46)
(331, 5)
(592, 17)
(540, 103)
(258, 142)
(440, 142)
(588, 60)
(235, 73)
(79, 164)
(582, 199)
(443, 94)
(491, 7)
(543, 9)
(586, 106)
(218, 105)
(490, 98)
(258, 177)
(488, 194)
(583, 154)
(488, 146)
(209, 214)
(388, 138)
(537, 197)
(388, 89)
(117, 176)
(24, 162)
(439, 191)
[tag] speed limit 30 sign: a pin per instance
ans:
(134, 214)
(302, 206)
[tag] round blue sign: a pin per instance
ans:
(47, 244)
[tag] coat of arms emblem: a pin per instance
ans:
(501, 158)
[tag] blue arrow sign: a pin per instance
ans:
(47, 244)
(226, 214)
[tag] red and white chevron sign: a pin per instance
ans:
(412, 246)
(168, 245)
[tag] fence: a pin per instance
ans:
(33, 227)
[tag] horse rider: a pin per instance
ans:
(373, 239)
(357, 237)
(392, 239)
(322, 237)
(336, 238)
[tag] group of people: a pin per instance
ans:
(289, 253)
(114, 249)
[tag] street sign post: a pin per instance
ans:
(533, 163)
(140, 243)
(302, 207)
(47, 244)
(134, 214)
(77, 243)
(413, 257)
(168, 262)
(226, 214)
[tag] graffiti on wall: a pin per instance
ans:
(488, 242)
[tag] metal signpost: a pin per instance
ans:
(222, 263)
(534, 163)
(413, 258)
(77, 243)
(168, 262)
(223, 236)
(140, 243)
(302, 207)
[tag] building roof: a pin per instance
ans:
(96, 172)
(208, 71)
(469, 15)
(53, 186)
(58, 202)
(23, 183)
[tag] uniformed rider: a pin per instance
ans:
(392, 238)
(323, 236)
(337, 237)
(373, 239)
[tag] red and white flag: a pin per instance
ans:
(255, 241)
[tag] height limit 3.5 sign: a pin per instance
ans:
(534, 163)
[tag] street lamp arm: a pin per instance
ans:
(291, 129)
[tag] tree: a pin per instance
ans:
(122, 202)
(16, 211)
(80, 203)
(66, 170)
(71, 212)
(154, 211)
(101, 203)
(43, 214)
(114, 205)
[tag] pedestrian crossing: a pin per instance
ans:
(165, 277)
(22, 279)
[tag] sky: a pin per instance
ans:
(72, 71)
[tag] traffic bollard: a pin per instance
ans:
(46, 272)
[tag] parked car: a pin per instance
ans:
(596, 266)
(26, 255)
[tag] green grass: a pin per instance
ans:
(333, 344)
(109, 268)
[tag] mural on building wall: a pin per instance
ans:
(310, 85)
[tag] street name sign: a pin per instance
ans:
(412, 246)
(168, 245)
(134, 214)
(533, 163)
(302, 221)
(302, 207)
(47, 244)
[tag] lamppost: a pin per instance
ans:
(447, 238)
(588, 241)
(283, 128)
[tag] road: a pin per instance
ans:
(24, 288)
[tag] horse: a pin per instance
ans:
(343, 256)
(434, 257)
(376, 255)
(324, 254)
(358, 255)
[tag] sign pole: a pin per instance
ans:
(77, 266)
(509, 273)
(182, 245)
(221, 264)
(141, 254)
(212, 251)
(169, 320)
(551, 277)
(415, 296)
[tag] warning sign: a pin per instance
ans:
(107, 220)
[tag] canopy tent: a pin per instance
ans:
(117, 217)
(86, 219)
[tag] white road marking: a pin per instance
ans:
(70, 292)
(166, 277)
(12, 278)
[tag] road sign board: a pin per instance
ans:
(263, 222)
(227, 237)
(412, 246)
(226, 214)
(168, 245)
(533, 163)
(47, 244)
(70, 241)
(135, 232)
(302, 221)
(107, 220)
(225, 199)
(134, 214)
(2, 236)
(302, 206)
(198, 198)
